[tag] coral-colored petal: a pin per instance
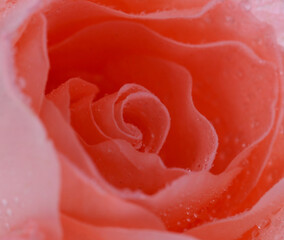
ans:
(64, 137)
(127, 168)
(192, 141)
(218, 21)
(228, 76)
(133, 114)
(74, 230)
(272, 228)
(32, 61)
(180, 204)
(235, 227)
(85, 200)
(69, 93)
(272, 173)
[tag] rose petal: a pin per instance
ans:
(145, 6)
(133, 114)
(69, 93)
(234, 227)
(270, 11)
(129, 169)
(218, 21)
(272, 173)
(79, 174)
(226, 79)
(24, 170)
(15, 14)
(180, 204)
(29, 231)
(32, 61)
(271, 228)
(76, 230)
(64, 137)
(85, 200)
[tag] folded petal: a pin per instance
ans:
(29, 171)
(182, 204)
(234, 227)
(77, 230)
(32, 61)
(128, 169)
(84, 199)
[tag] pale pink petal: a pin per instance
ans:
(29, 231)
(29, 173)
(269, 11)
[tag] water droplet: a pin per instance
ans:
(178, 223)
(7, 225)
(264, 224)
(165, 214)
(243, 145)
(188, 220)
(187, 213)
(16, 199)
(228, 196)
(9, 212)
(4, 202)
(247, 6)
(195, 215)
(229, 19)
(180, 205)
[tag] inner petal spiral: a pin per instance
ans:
(133, 114)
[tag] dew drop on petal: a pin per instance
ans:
(246, 6)
(4, 202)
(229, 19)
(9, 212)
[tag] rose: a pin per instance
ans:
(104, 89)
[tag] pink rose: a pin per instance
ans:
(141, 120)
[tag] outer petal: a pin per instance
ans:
(32, 61)
(29, 231)
(85, 200)
(270, 11)
(235, 227)
(29, 179)
(29, 188)
(74, 230)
